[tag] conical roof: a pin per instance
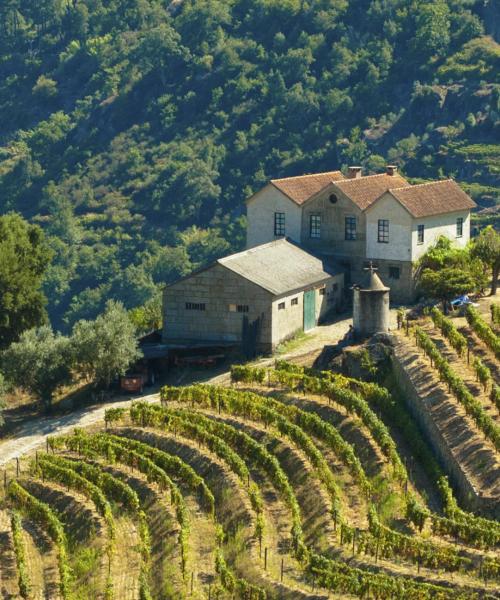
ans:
(372, 283)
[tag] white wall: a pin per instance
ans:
(400, 230)
(436, 226)
(290, 320)
(260, 216)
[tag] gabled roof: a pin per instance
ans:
(301, 188)
(280, 267)
(363, 191)
(433, 198)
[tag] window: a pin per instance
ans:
(315, 226)
(394, 273)
(420, 234)
(350, 228)
(195, 306)
(383, 231)
(294, 301)
(281, 306)
(333, 198)
(335, 287)
(279, 223)
(241, 308)
(322, 291)
(460, 227)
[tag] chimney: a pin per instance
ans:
(354, 173)
(391, 170)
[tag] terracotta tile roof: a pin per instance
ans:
(301, 188)
(365, 190)
(433, 198)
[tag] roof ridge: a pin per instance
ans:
(252, 249)
(364, 177)
(305, 175)
(418, 185)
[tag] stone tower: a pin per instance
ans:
(370, 306)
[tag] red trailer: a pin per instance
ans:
(132, 383)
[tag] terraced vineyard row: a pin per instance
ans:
(289, 484)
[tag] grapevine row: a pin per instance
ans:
(99, 487)
(455, 384)
(391, 543)
(334, 392)
(459, 523)
(155, 416)
(483, 330)
(495, 313)
(104, 446)
(19, 550)
(152, 462)
(42, 514)
(450, 332)
(459, 343)
(219, 447)
(254, 408)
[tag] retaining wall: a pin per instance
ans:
(420, 405)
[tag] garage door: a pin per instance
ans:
(309, 310)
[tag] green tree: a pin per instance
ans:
(105, 348)
(45, 88)
(486, 247)
(148, 317)
(40, 362)
(446, 284)
(24, 258)
(432, 34)
(446, 271)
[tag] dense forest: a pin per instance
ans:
(133, 130)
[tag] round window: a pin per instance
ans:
(333, 198)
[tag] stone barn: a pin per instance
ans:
(257, 298)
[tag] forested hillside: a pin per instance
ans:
(133, 130)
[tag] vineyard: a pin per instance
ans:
(289, 483)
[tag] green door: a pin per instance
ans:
(309, 310)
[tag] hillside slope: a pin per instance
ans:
(133, 130)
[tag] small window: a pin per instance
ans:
(294, 301)
(350, 228)
(241, 308)
(195, 306)
(383, 231)
(281, 306)
(420, 234)
(335, 287)
(322, 291)
(394, 273)
(333, 198)
(315, 226)
(279, 223)
(460, 227)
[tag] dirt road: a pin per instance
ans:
(33, 433)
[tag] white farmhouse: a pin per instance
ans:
(308, 238)
(357, 219)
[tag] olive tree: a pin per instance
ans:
(40, 362)
(106, 347)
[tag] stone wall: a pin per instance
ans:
(217, 288)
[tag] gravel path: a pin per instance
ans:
(33, 433)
